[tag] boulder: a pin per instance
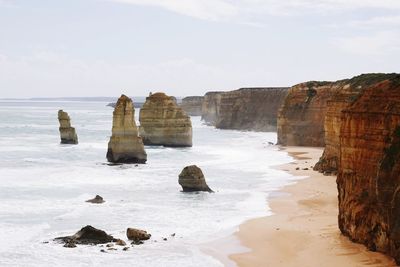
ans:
(96, 200)
(67, 133)
(192, 179)
(125, 145)
(88, 235)
(137, 234)
(163, 122)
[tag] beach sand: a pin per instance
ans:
(303, 230)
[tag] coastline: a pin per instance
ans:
(303, 230)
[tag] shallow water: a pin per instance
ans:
(44, 185)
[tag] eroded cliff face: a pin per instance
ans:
(369, 168)
(348, 92)
(192, 105)
(162, 122)
(302, 115)
(125, 145)
(210, 107)
(250, 109)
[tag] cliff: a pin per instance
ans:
(302, 115)
(210, 107)
(250, 109)
(348, 92)
(369, 167)
(125, 145)
(192, 105)
(162, 122)
(67, 133)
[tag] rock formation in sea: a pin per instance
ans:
(67, 133)
(192, 105)
(210, 107)
(250, 109)
(348, 92)
(125, 145)
(369, 168)
(192, 179)
(137, 234)
(96, 200)
(163, 122)
(88, 235)
(302, 115)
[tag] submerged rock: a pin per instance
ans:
(163, 122)
(137, 234)
(192, 179)
(88, 235)
(125, 145)
(96, 200)
(67, 133)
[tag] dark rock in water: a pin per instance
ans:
(67, 132)
(88, 235)
(70, 244)
(137, 242)
(120, 242)
(97, 200)
(192, 179)
(125, 248)
(137, 234)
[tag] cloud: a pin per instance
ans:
(238, 9)
(386, 21)
(380, 43)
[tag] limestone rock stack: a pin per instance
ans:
(125, 145)
(162, 122)
(192, 179)
(369, 168)
(67, 133)
(302, 115)
(192, 105)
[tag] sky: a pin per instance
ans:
(56, 48)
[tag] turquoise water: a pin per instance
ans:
(44, 185)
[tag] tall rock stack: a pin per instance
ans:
(162, 122)
(125, 145)
(210, 107)
(369, 168)
(67, 133)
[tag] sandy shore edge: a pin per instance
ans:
(303, 230)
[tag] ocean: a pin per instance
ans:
(44, 185)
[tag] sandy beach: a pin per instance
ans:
(303, 230)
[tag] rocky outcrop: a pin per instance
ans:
(250, 109)
(125, 145)
(369, 168)
(162, 122)
(302, 115)
(88, 235)
(192, 179)
(192, 105)
(348, 92)
(210, 107)
(137, 234)
(96, 200)
(67, 133)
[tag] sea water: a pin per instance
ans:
(44, 185)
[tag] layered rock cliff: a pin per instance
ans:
(348, 92)
(250, 109)
(302, 115)
(125, 145)
(192, 105)
(67, 133)
(162, 122)
(210, 107)
(369, 168)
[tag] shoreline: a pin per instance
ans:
(303, 230)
